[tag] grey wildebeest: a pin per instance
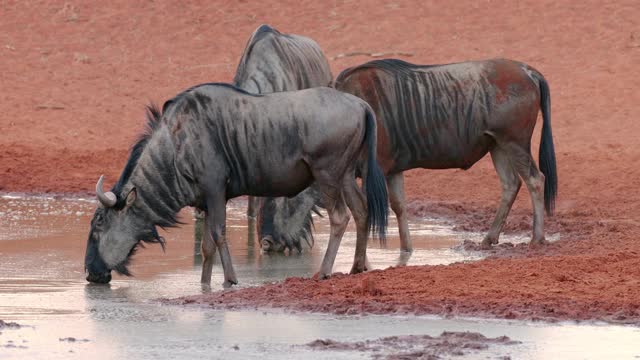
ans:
(450, 116)
(215, 142)
(275, 62)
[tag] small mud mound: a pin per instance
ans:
(417, 346)
(11, 345)
(469, 245)
(9, 325)
(72, 339)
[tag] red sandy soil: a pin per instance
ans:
(76, 76)
(409, 347)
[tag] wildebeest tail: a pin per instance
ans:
(547, 155)
(375, 185)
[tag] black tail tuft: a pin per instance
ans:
(375, 184)
(547, 155)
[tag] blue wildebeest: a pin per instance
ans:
(450, 116)
(215, 142)
(275, 62)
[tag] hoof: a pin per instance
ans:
(486, 245)
(205, 288)
(404, 258)
(320, 276)
(488, 241)
(99, 278)
(229, 283)
(358, 269)
(538, 243)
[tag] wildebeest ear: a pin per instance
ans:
(131, 197)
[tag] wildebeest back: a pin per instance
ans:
(263, 141)
(437, 116)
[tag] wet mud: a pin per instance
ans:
(8, 343)
(446, 345)
(9, 325)
(73, 339)
(517, 283)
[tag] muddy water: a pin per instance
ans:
(42, 287)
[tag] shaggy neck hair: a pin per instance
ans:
(151, 171)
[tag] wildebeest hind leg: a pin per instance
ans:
(339, 218)
(357, 203)
(395, 184)
(524, 164)
(511, 184)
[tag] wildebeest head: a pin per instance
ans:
(284, 222)
(117, 229)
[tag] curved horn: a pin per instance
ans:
(107, 199)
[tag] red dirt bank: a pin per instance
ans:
(77, 75)
(542, 287)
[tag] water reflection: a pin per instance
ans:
(197, 236)
(45, 237)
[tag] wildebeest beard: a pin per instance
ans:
(149, 236)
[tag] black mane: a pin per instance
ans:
(153, 115)
(389, 65)
(154, 118)
(176, 99)
(219, 84)
(258, 35)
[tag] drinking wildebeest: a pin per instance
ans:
(450, 116)
(214, 142)
(275, 62)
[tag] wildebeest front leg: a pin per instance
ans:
(208, 250)
(339, 218)
(357, 203)
(216, 218)
(395, 184)
(511, 184)
(252, 213)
